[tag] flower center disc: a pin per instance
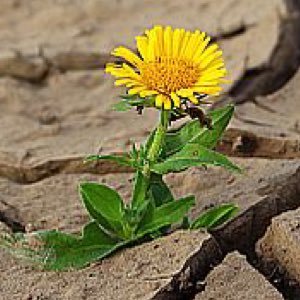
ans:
(167, 74)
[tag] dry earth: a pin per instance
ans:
(55, 109)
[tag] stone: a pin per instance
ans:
(236, 279)
(275, 115)
(281, 243)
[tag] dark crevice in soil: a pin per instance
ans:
(241, 234)
(235, 143)
(48, 168)
(189, 281)
(277, 276)
(284, 62)
(239, 30)
(9, 215)
(35, 69)
(14, 225)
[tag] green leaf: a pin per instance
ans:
(128, 97)
(121, 106)
(140, 190)
(159, 191)
(166, 214)
(123, 160)
(55, 250)
(158, 194)
(193, 132)
(68, 251)
(104, 205)
(135, 100)
(132, 98)
(186, 224)
(134, 152)
(193, 155)
(148, 210)
(149, 141)
(215, 216)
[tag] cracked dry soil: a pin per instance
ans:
(55, 109)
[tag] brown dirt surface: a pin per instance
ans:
(235, 279)
(53, 202)
(55, 108)
(136, 273)
(281, 243)
(276, 115)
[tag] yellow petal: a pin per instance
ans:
(177, 38)
(208, 51)
(200, 50)
(185, 41)
(216, 64)
(210, 74)
(185, 93)
(207, 83)
(192, 45)
(176, 99)
(160, 40)
(110, 67)
(128, 55)
(147, 93)
(163, 101)
(142, 46)
(128, 82)
(167, 104)
(210, 58)
(124, 71)
(159, 100)
(130, 72)
(193, 99)
(168, 37)
(136, 90)
(115, 70)
(207, 90)
(153, 48)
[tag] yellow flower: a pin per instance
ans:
(173, 65)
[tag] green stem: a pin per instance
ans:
(142, 180)
(158, 141)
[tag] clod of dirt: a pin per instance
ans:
(278, 252)
(235, 279)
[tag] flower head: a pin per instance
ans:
(172, 65)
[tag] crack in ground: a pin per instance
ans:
(35, 69)
(235, 143)
(239, 234)
(70, 165)
(10, 217)
(277, 276)
(283, 64)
